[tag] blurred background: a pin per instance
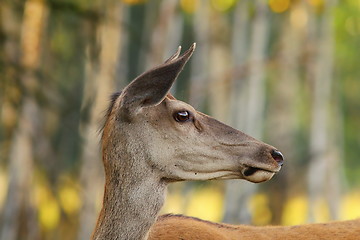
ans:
(284, 71)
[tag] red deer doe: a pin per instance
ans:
(150, 139)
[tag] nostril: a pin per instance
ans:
(278, 157)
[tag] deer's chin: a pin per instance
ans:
(257, 175)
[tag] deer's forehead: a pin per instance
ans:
(166, 108)
(177, 105)
(163, 114)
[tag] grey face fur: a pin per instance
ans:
(150, 139)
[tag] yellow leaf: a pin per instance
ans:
(133, 2)
(206, 204)
(295, 211)
(49, 214)
(350, 208)
(259, 206)
(69, 199)
(3, 186)
(279, 6)
(189, 6)
(222, 5)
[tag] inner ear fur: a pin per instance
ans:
(170, 96)
(151, 87)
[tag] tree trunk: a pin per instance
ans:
(323, 162)
(160, 34)
(236, 193)
(199, 68)
(283, 113)
(21, 159)
(253, 111)
(98, 88)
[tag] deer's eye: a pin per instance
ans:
(182, 116)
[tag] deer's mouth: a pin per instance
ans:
(256, 175)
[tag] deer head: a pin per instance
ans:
(169, 138)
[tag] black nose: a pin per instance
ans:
(278, 157)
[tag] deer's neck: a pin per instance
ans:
(133, 198)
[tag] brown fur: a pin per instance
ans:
(171, 227)
(145, 147)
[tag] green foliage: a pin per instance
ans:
(347, 30)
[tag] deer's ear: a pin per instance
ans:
(176, 55)
(151, 87)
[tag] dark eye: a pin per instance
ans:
(182, 116)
